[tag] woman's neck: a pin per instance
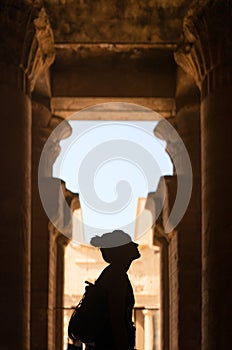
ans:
(121, 265)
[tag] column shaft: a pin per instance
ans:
(161, 239)
(41, 309)
(216, 124)
(24, 53)
(205, 52)
(15, 149)
(148, 329)
(62, 241)
(185, 240)
(189, 237)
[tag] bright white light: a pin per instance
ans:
(118, 140)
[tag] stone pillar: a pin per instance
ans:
(15, 149)
(41, 304)
(148, 329)
(61, 243)
(21, 60)
(185, 241)
(44, 252)
(46, 282)
(169, 270)
(157, 327)
(162, 241)
(206, 53)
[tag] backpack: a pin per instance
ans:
(90, 316)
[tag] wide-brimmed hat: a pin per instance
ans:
(111, 239)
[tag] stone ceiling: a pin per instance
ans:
(114, 48)
(116, 21)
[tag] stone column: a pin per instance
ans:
(162, 241)
(206, 53)
(42, 327)
(21, 60)
(185, 241)
(157, 327)
(15, 149)
(45, 281)
(148, 329)
(47, 250)
(61, 242)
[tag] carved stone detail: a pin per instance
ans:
(29, 47)
(205, 50)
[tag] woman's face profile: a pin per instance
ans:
(122, 254)
(133, 251)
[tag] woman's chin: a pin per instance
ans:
(137, 256)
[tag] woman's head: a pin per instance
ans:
(116, 247)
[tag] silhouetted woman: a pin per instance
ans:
(119, 251)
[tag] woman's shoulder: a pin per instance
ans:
(109, 276)
(106, 274)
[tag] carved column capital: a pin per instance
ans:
(28, 48)
(60, 130)
(205, 50)
(62, 240)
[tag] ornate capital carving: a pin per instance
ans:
(62, 240)
(205, 50)
(26, 42)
